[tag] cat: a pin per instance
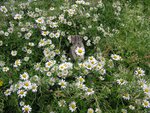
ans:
(76, 41)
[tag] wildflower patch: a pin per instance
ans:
(53, 60)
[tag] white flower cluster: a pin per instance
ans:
(40, 56)
(23, 87)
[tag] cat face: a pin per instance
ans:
(76, 39)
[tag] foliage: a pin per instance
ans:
(38, 73)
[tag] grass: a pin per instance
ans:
(132, 42)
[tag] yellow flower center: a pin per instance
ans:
(21, 92)
(61, 67)
(90, 111)
(81, 79)
(3, 9)
(89, 66)
(89, 90)
(1, 83)
(26, 84)
(26, 109)
(121, 81)
(73, 106)
(49, 64)
(80, 51)
(139, 72)
(39, 20)
(17, 62)
(115, 57)
(24, 76)
(146, 103)
(146, 90)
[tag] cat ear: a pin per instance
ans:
(78, 38)
(73, 39)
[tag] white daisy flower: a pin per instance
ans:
(48, 42)
(24, 76)
(81, 65)
(35, 78)
(37, 66)
(123, 110)
(13, 88)
(21, 93)
(102, 60)
(27, 84)
(10, 30)
(88, 65)
(142, 82)
(126, 96)
(50, 63)
(80, 86)
(51, 8)
(146, 89)
(21, 103)
(40, 20)
(121, 81)
(102, 71)
(62, 83)
(80, 2)
(139, 72)
(89, 91)
(7, 92)
(2, 63)
(88, 43)
(52, 81)
(62, 67)
(31, 44)
(101, 78)
(146, 104)
(6, 34)
(34, 87)
(45, 33)
(49, 73)
(93, 62)
(42, 42)
(57, 35)
(116, 57)
(68, 65)
(26, 59)
(90, 110)
(5, 69)
(85, 38)
(97, 110)
(19, 85)
(80, 79)
(62, 103)
(3, 9)
(29, 51)
(26, 109)
(80, 51)
(18, 17)
(72, 106)
(99, 66)
(63, 73)
(71, 12)
(13, 53)
(43, 27)
(51, 35)
(131, 107)
(17, 63)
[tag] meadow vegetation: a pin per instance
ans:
(61, 56)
